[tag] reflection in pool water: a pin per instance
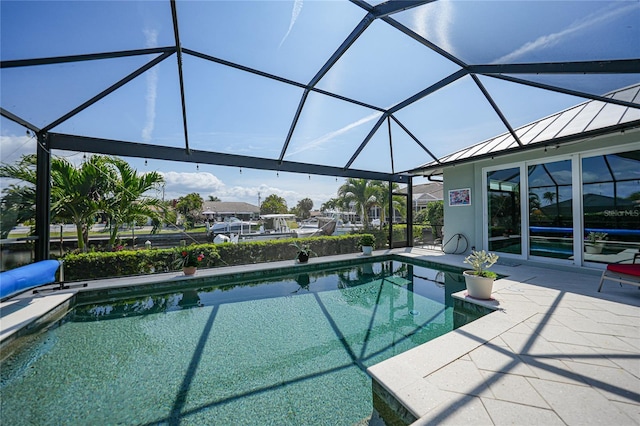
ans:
(288, 350)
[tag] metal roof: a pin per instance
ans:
(582, 121)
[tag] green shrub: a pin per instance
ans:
(400, 232)
(421, 217)
(97, 265)
(81, 266)
(367, 240)
(435, 215)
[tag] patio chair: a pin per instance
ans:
(627, 273)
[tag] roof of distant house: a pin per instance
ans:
(229, 208)
(426, 192)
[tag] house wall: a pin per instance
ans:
(469, 220)
(460, 219)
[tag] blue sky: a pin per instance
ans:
(231, 111)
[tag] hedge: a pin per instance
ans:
(99, 265)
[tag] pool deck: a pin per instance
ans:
(555, 351)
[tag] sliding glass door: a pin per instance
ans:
(611, 207)
(550, 210)
(592, 198)
(503, 211)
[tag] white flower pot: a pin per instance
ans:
(367, 250)
(593, 248)
(478, 287)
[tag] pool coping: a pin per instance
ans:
(555, 308)
(28, 312)
(555, 351)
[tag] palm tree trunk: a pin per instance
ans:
(113, 234)
(80, 235)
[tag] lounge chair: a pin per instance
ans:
(627, 273)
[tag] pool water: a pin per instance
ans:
(288, 350)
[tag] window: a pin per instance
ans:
(611, 206)
(503, 195)
(550, 210)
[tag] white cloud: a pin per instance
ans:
(295, 12)
(12, 147)
(249, 194)
(434, 23)
(550, 40)
(192, 182)
(151, 40)
(331, 135)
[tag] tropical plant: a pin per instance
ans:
(421, 217)
(534, 201)
(549, 197)
(594, 237)
(189, 257)
(191, 208)
(78, 193)
(435, 216)
(332, 204)
(273, 204)
(481, 261)
(303, 248)
(362, 193)
(126, 201)
(367, 240)
(304, 207)
(382, 199)
(17, 205)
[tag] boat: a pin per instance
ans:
(235, 230)
(231, 225)
(345, 222)
(278, 228)
(316, 227)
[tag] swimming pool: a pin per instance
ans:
(281, 350)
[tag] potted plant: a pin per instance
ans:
(304, 251)
(189, 260)
(480, 281)
(367, 242)
(594, 242)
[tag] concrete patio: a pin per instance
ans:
(555, 351)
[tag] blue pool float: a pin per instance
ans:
(26, 277)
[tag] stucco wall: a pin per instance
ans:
(461, 219)
(468, 220)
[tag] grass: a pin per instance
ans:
(123, 233)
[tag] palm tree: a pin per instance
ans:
(362, 193)
(332, 204)
(77, 193)
(382, 200)
(304, 207)
(549, 196)
(18, 202)
(534, 201)
(127, 201)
